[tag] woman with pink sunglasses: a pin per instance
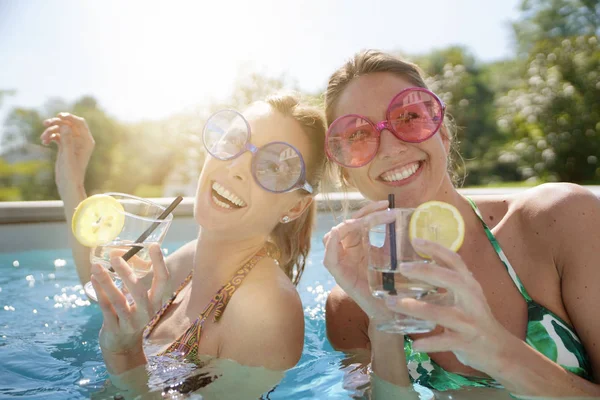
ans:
(526, 281)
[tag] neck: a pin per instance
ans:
(217, 259)
(448, 193)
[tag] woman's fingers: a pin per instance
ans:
(436, 275)
(55, 121)
(137, 291)
(446, 341)
(160, 281)
(79, 125)
(331, 243)
(370, 208)
(50, 134)
(109, 314)
(113, 294)
(379, 218)
(441, 255)
(448, 317)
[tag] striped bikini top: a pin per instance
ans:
(186, 346)
(546, 332)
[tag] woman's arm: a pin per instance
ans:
(349, 329)
(347, 324)
(577, 241)
(570, 216)
(75, 145)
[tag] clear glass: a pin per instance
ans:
(140, 215)
(385, 280)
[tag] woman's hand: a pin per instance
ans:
(124, 323)
(346, 254)
(75, 146)
(471, 332)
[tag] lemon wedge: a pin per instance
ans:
(98, 220)
(438, 222)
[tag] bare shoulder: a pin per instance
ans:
(556, 198)
(270, 290)
(545, 203)
(347, 324)
(264, 320)
(565, 214)
(181, 262)
(557, 207)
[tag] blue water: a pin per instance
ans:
(49, 331)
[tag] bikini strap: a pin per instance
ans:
(501, 255)
(150, 326)
(187, 344)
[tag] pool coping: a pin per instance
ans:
(23, 212)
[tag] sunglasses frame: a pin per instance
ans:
(386, 124)
(248, 146)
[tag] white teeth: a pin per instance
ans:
(220, 203)
(403, 173)
(228, 195)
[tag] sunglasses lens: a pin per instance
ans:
(278, 167)
(415, 115)
(352, 141)
(225, 134)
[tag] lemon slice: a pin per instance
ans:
(98, 220)
(438, 222)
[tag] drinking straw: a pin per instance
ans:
(134, 250)
(388, 277)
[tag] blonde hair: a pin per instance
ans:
(369, 62)
(292, 240)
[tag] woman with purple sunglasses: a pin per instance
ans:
(525, 283)
(234, 285)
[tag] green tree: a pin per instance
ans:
(22, 125)
(555, 20)
(462, 83)
(108, 134)
(35, 179)
(551, 119)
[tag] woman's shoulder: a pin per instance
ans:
(541, 202)
(561, 215)
(564, 202)
(269, 289)
(549, 211)
(264, 321)
(181, 262)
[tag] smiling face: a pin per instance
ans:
(228, 197)
(414, 172)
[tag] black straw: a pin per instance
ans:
(135, 249)
(388, 277)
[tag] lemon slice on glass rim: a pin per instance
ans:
(98, 220)
(438, 222)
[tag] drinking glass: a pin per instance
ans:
(389, 248)
(141, 228)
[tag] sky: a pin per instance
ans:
(148, 59)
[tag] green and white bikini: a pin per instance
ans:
(546, 332)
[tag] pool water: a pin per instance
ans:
(49, 333)
(49, 330)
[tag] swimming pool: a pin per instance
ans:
(49, 330)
